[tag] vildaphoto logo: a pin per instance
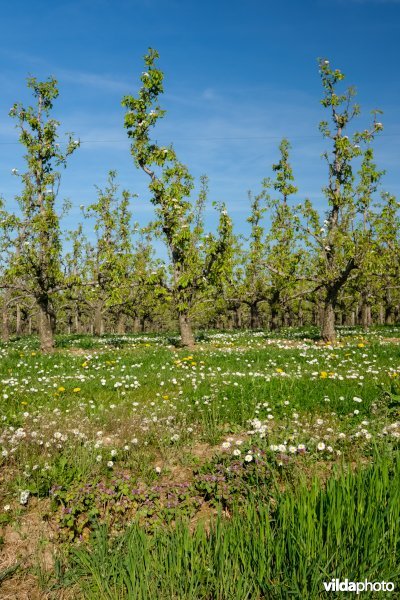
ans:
(335, 585)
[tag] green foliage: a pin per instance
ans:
(194, 257)
(36, 260)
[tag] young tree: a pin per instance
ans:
(366, 281)
(254, 289)
(179, 222)
(111, 258)
(337, 240)
(284, 259)
(35, 267)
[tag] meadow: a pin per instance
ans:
(255, 466)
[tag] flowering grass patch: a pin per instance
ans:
(126, 428)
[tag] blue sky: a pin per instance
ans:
(239, 75)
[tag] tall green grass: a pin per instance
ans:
(349, 528)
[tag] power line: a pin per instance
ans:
(212, 139)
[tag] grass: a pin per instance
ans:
(285, 550)
(129, 429)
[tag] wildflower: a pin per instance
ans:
(323, 375)
(226, 445)
(236, 452)
(61, 389)
(248, 458)
(110, 464)
(158, 470)
(321, 446)
(98, 458)
(113, 453)
(356, 399)
(6, 507)
(24, 497)
(77, 389)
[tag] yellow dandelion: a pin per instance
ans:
(361, 345)
(33, 353)
(165, 397)
(323, 375)
(279, 370)
(76, 390)
(61, 389)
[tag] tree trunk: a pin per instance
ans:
(301, 315)
(98, 325)
(274, 318)
(18, 324)
(46, 331)
(185, 327)
(365, 315)
(136, 325)
(77, 325)
(238, 318)
(121, 324)
(328, 332)
(253, 316)
(5, 330)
